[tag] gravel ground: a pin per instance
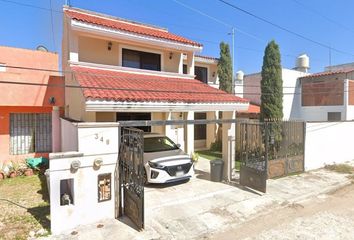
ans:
(324, 217)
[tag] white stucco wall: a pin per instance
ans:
(350, 112)
(320, 113)
(69, 140)
(291, 90)
(328, 143)
(98, 138)
(86, 208)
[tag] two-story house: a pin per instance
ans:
(120, 70)
(30, 103)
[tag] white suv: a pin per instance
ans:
(164, 160)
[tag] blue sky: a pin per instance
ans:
(326, 21)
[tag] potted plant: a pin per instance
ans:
(195, 158)
(2, 173)
(14, 169)
(28, 171)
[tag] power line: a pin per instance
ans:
(31, 6)
(283, 28)
(160, 91)
(119, 78)
(218, 20)
(52, 24)
(324, 16)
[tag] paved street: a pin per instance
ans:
(200, 208)
(329, 216)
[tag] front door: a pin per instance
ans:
(131, 176)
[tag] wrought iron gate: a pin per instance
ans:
(253, 168)
(131, 176)
(270, 150)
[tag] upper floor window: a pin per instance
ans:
(201, 73)
(142, 60)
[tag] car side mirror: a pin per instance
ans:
(178, 145)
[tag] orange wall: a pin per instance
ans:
(26, 95)
(16, 98)
(5, 127)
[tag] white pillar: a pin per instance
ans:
(74, 47)
(180, 64)
(190, 63)
(346, 99)
(228, 144)
(56, 133)
(211, 129)
(190, 134)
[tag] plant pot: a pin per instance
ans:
(28, 172)
(13, 174)
(2, 176)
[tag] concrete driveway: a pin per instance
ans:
(199, 207)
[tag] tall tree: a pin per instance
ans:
(271, 84)
(225, 68)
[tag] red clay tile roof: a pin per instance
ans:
(207, 57)
(110, 85)
(252, 109)
(124, 25)
(328, 73)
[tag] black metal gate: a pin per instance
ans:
(270, 150)
(131, 176)
(253, 168)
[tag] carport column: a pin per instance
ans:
(190, 134)
(228, 144)
(190, 63)
(211, 129)
(56, 133)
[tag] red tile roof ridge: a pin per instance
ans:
(327, 73)
(118, 19)
(127, 26)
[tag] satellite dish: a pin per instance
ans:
(42, 48)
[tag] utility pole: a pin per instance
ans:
(233, 59)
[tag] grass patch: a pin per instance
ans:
(340, 168)
(210, 155)
(24, 206)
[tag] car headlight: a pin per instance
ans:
(155, 165)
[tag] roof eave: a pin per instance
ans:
(119, 34)
(115, 106)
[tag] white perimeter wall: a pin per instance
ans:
(320, 113)
(328, 143)
(69, 137)
(86, 208)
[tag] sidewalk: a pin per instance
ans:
(200, 207)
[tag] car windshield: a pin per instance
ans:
(158, 144)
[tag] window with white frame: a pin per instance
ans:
(2, 67)
(30, 133)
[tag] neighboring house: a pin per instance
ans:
(25, 110)
(133, 71)
(328, 96)
(291, 88)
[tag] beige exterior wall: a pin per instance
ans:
(155, 116)
(95, 50)
(212, 71)
(106, 117)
